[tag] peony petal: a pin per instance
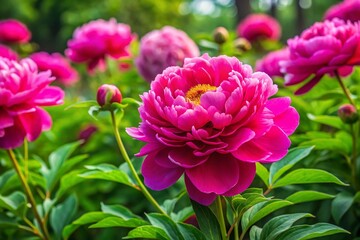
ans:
(200, 197)
(157, 176)
(5, 119)
(50, 96)
(217, 175)
(12, 137)
(309, 85)
(246, 176)
(185, 158)
(32, 124)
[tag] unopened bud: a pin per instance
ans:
(220, 35)
(348, 113)
(242, 44)
(108, 94)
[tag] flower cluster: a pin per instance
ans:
(23, 90)
(270, 63)
(211, 120)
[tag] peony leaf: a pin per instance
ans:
(332, 121)
(84, 104)
(294, 156)
(303, 232)
(208, 223)
(280, 224)
(189, 232)
(15, 202)
(263, 173)
(340, 205)
(307, 196)
(255, 233)
(165, 223)
(119, 222)
(147, 232)
(68, 181)
(119, 211)
(305, 176)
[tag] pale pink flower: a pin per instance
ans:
(346, 10)
(259, 27)
(327, 47)
(211, 121)
(14, 31)
(8, 53)
(163, 48)
(269, 64)
(23, 91)
(59, 66)
(98, 39)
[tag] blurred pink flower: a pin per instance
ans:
(23, 90)
(59, 66)
(8, 53)
(94, 41)
(162, 48)
(259, 26)
(346, 10)
(14, 31)
(269, 64)
(211, 120)
(324, 48)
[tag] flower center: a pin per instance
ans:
(194, 94)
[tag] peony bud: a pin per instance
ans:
(348, 113)
(108, 94)
(220, 35)
(242, 44)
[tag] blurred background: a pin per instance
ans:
(52, 22)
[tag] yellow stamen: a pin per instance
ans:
(194, 94)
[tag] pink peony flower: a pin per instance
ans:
(269, 64)
(98, 39)
(211, 121)
(324, 48)
(8, 53)
(162, 48)
(59, 66)
(13, 31)
(346, 10)
(259, 26)
(23, 90)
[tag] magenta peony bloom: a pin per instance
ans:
(8, 53)
(346, 10)
(269, 64)
(259, 26)
(13, 31)
(23, 90)
(162, 48)
(211, 120)
(59, 66)
(98, 39)
(324, 48)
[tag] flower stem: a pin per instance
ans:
(121, 146)
(345, 89)
(29, 194)
(220, 217)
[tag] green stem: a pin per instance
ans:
(236, 231)
(26, 158)
(345, 89)
(131, 166)
(220, 217)
(354, 156)
(29, 194)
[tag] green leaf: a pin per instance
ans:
(261, 210)
(305, 176)
(62, 214)
(147, 232)
(87, 218)
(303, 232)
(307, 196)
(68, 181)
(340, 205)
(94, 111)
(119, 211)
(5, 177)
(7, 222)
(130, 100)
(56, 161)
(247, 199)
(113, 175)
(84, 104)
(280, 224)
(119, 222)
(263, 173)
(164, 222)
(294, 156)
(332, 144)
(331, 121)
(15, 202)
(183, 214)
(208, 223)
(190, 232)
(255, 233)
